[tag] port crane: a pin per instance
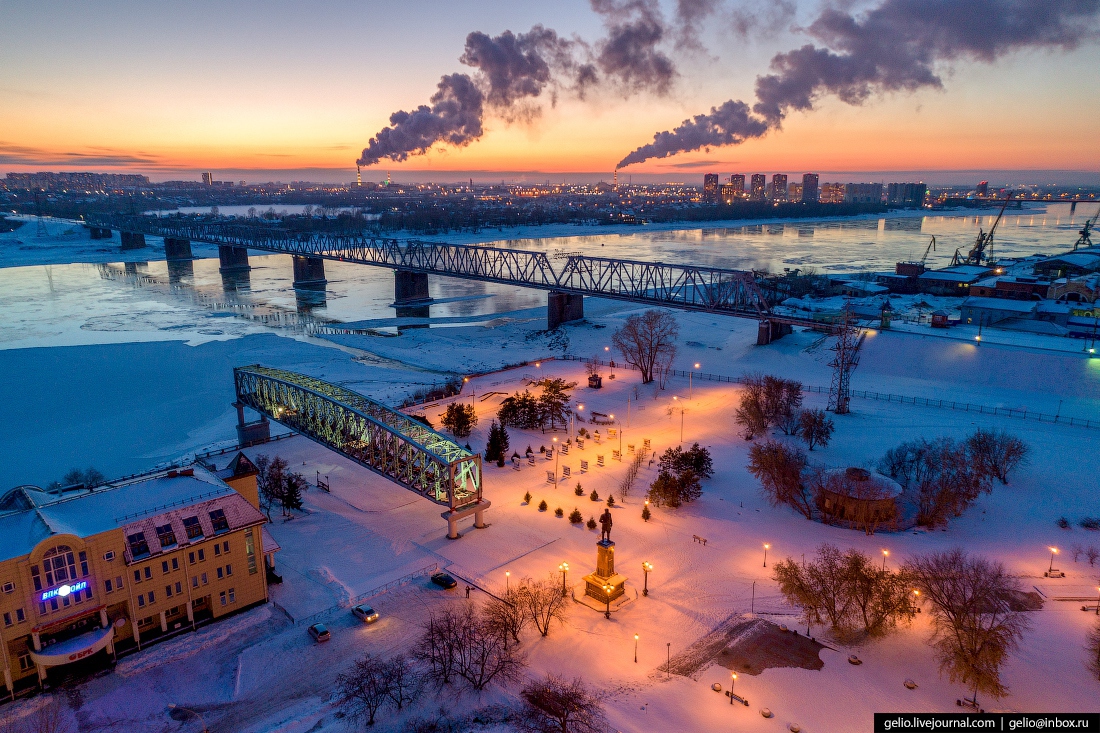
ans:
(1085, 240)
(984, 241)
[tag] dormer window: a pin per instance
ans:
(166, 535)
(217, 518)
(139, 547)
(194, 529)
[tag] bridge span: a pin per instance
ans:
(686, 287)
(373, 435)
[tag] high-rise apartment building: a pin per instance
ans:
(794, 191)
(906, 194)
(737, 180)
(779, 187)
(208, 179)
(758, 188)
(710, 187)
(983, 188)
(809, 188)
(832, 193)
(863, 193)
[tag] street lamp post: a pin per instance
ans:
(507, 581)
(564, 570)
(733, 679)
(766, 547)
(668, 661)
(555, 448)
(173, 706)
(885, 554)
(611, 362)
(607, 597)
(635, 649)
(646, 567)
(689, 381)
(1098, 601)
(1053, 552)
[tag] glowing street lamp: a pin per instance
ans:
(646, 567)
(733, 679)
(885, 554)
(1053, 552)
(611, 362)
(689, 380)
(507, 580)
(555, 449)
(635, 649)
(564, 570)
(1098, 601)
(607, 597)
(766, 548)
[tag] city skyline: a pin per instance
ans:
(171, 94)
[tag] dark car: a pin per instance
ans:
(443, 580)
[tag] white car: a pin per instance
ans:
(364, 613)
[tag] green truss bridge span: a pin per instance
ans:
(373, 435)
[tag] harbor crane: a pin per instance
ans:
(1085, 238)
(982, 243)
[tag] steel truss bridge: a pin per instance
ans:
(686, 287)
(373, 435)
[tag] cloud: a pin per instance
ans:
(630, 54)
(12, 154)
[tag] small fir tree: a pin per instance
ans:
(591, 524)
(575, 517)
(542, 505)
(559, 512)
(645, 513)
(594, 496)
(527, 498)
(578, 491)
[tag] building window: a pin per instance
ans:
(217, 550)
(193, 528)
(148, 572)
(175, 563)
(222, 596)
(194, 581)
(20, 616)
(118, 583)
(60, 565)
(220, 573)
(141, 600)
(109, 555)
(108, 585)
(166, 535)
(164, 565)
(218, 520)
(179, 587)
(36, 577)
(202, 555)
(250, 550)
(25, 663)
(228, 570)
(225, 547)
(9, 587)
(168, 590)
(139, 547)
(204, 580)
(83, 556)
(191, 557)
(152, 598)
(7, 619)
(137, 576)
(232, 595)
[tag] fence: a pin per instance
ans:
(1024, 414)
(426, 570)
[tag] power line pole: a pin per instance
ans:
(842, 363)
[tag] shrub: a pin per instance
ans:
(815, 427)
(591, 523)
(559, 513)
(645, 513)
(594, 496)
(578, 491)
(542, 505)
(527, 498)
(460, 419)
(575, 517)
(611, 500)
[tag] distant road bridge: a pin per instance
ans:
(686, 287)
(373, 435)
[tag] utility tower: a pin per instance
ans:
(39, 208)
(843, 363)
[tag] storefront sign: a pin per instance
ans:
(64, 590)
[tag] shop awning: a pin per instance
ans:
(74, 649)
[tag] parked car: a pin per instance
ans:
(365, 613)
(319, 632)
(443, 580)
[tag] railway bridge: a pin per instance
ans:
(686, 287)
(373, 435)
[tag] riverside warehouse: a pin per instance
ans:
(86, 574)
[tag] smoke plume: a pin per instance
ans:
(896, 46)
(630, 54)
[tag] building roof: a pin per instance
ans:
(1000, 304)
(116, 505)
(951, 276)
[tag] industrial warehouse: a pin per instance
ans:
(89, 573)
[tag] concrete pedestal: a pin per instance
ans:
(232, 259)
(99, 233)
(132, 240)
(605, 575)
(453, 517)
(309, 272)
(410, 288)
(177, 249)
(769, 331)
(562, 308)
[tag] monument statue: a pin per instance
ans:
(605, 525)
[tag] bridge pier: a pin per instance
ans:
(769, 331)
(99, 233)
(176, 249)
(410, 288)
(563, 308)
(232, 259)
(309, 272)
(251, 433)
(454, 516)
(132, 240)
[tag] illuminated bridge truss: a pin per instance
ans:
(368, 432)
(686, 287)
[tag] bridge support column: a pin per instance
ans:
(99, 233)
(453, 518)
(410, 287)
(251, 433)
(132, 240)
(309, 272)
(769, 331)
(176, 249)
(563, 308)
(232, 259)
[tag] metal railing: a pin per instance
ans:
(403, 580)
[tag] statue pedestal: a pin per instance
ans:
(605, 575)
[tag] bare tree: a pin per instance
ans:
(996, 452)
(435, 648)
(750, 414)
(974, 626)
(483, 655)
(815, 427)
(552, 705)
(631, 475)
(50, 717)
(1092, 648)
(508, 615)
(544, 602)
(648, 341)
(403, 680)
(941, 475)
(779, 469)
(363, 690)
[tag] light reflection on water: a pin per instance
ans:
(81, 304)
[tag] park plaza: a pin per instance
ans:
(88, 573)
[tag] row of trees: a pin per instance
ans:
(975, 606)
(770, 402)
(496, 448)
(527, 412)
(680, 475)
(945, 476)
(278, 485)
(460, 419)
